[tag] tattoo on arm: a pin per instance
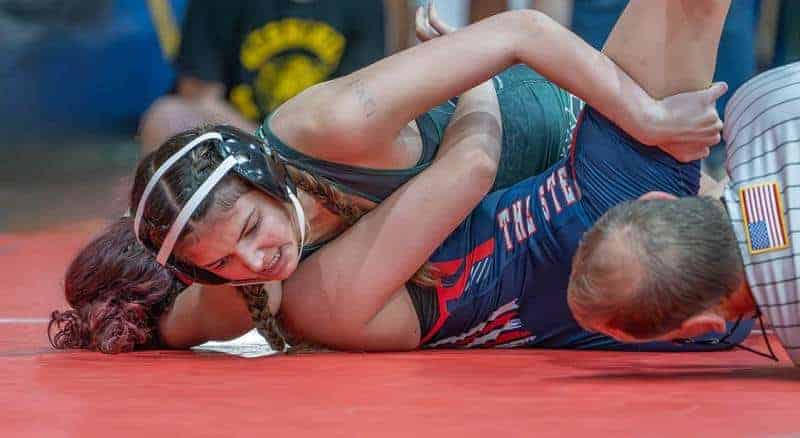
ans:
(366, 100)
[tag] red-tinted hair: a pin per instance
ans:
(117, 292)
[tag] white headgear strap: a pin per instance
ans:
(301, 223)
(162, 170)
(197, 198)
(300, 215)
(183, 217)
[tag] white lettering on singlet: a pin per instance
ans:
(519, 214)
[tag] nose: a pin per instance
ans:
(251, 256)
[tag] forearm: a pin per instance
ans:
(477, 113)
(347, 283)
(203, 313)
(668, 46)
(379, 99)
(572, 64)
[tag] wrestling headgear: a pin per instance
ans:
(250, 158)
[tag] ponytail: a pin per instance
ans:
(117, 292)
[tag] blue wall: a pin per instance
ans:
(91, 78)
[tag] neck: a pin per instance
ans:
(711, 187)
(322, 222)
(740, 303)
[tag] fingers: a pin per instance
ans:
(436, 22)
(702, 154)
(715, 91)
(712, 120)
(686, 152)
(710, 135)
(710, 130)
(422, 26)
(700, 140)
(428, 25)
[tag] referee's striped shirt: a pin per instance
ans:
(762, 132)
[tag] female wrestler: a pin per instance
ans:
(348, 317)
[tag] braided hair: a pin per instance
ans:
(117, 289)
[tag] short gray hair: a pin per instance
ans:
(687, 259)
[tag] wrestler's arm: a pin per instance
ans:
(203, 313)
(353, 115)
(669, 46)
(460, 175)
(349, 294)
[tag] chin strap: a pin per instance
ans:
(300, 215)
(724, 340)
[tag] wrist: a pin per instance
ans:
(649, 120)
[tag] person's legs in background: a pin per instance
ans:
(736, 63)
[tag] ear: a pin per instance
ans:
(658, 195)
(703, 323)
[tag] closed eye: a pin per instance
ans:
(219, 264)
(246, 231)
(254, 228)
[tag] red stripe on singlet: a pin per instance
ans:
(455, 291)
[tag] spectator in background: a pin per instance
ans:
(559, 10)
(787, 46)
(240, 59)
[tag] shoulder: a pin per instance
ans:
(762, 116)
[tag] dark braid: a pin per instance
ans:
(266, 324)
(269, 326)
(328, 195)
(350, 212)
(178, 185)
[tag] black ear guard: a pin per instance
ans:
(257, 162)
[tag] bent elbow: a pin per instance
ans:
(524, 22)
(521, 27)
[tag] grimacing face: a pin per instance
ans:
(254, 240)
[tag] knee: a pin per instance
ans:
(166, 117)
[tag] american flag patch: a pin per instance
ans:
(762, 210)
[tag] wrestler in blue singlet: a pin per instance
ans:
(506, 267)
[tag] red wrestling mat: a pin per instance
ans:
(540, 393)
